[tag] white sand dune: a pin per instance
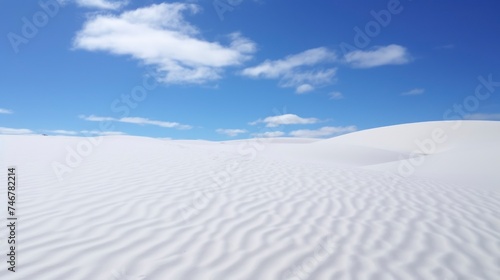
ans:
(341, 208)
(465, 152)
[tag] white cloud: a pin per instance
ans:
(269, 134)
(136, 120)
(336, 95)
(314, 78)
(304, 88)
(416, 91)
(278, 68)
(142, 121)
(93, 118)
(323, 132)
(86, 132)
(285, 119)
(5, 111)
(378, 56)
(101, 133)
(231, 132)
(16, 131)
(64, 132)
(482, 116)
(102, 4)
(292, 70)
(160, 36)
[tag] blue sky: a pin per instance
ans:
(231, 69)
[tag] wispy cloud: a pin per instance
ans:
(85, 132)
(482, 116)
(102, 4)
(101, 133)
(302, 71)
(304, 88)
(285, 119)
(415, 91)
(160, 36)
(137, 120)
(63, 132)
(378, 56)
(143, 121)
(323, 132)
(336, 95)
(93, 118)
(15, 131)
(5, 111)
(231, 132)
(269, 134)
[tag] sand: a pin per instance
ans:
(384, 203)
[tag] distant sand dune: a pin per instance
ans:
(139, 208)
